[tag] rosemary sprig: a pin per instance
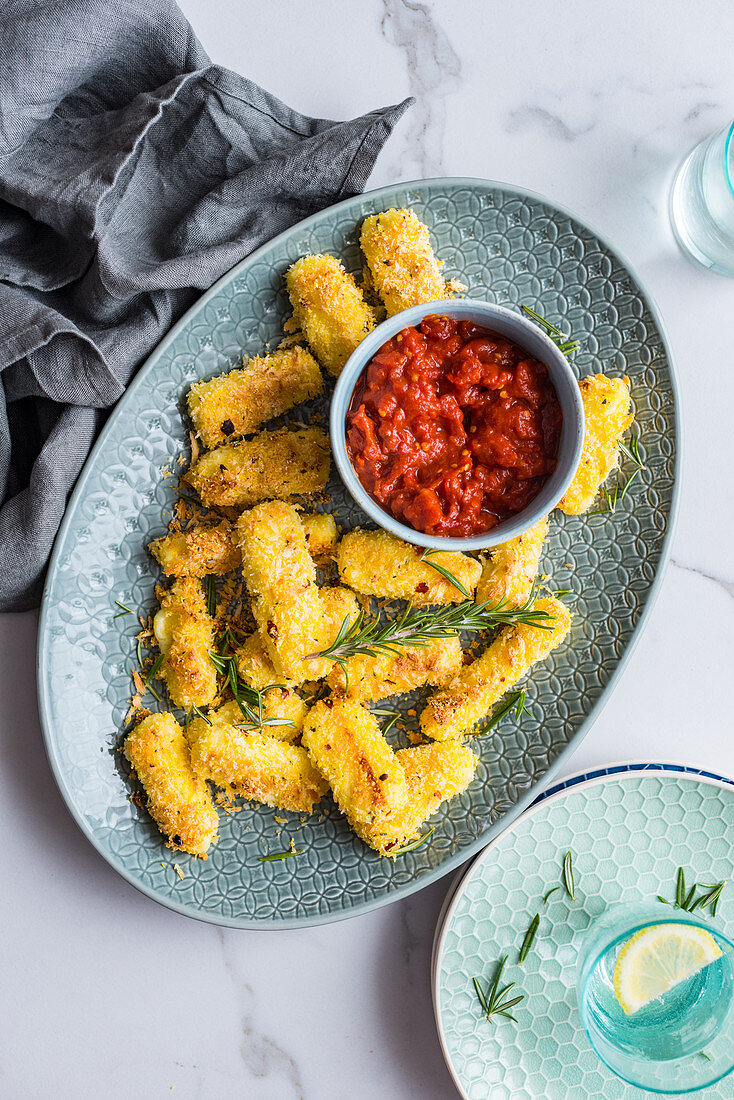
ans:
(125, 610)
(199, 714)
(568, 347)
(527, 943)
(411, 847)
(445, 573)
(685, 898)
(514, 701)
(248, 699)
(494, 1000)
(211, 596)
(553, 890)
(278, 856)
(568, 879)
(610, 499)
(418, 626)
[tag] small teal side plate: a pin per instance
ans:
(629, 831)
(508, 246)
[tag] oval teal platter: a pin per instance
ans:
(630, 827)
(508, 246)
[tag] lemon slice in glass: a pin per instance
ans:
(659, 957)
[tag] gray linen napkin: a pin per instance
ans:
(133, 173)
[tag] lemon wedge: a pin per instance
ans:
(659, 957)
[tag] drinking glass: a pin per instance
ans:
(702, 203)
(679, 1042)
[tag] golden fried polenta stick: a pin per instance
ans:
(347, 747)
(281, 577)
(329, 309)
(607, 409)
(283, 714)
(255, 765)
(253, 659)
(198, 551)
(373, 678)
(470, 697)
(185, 635)
(511, 568)
(321, 534)
(239, 402)
(271, 464)
(178, 800)
(434, 773)
(378, 564)
(404, 269)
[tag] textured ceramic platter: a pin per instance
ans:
(629, 831)
(508, 246)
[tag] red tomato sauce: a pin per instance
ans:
(453, 428)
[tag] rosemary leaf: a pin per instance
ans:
(552, 891)
(445, 573)
(514, 701)
(494, 1001)
(211, 596)
(527, 943)
(278, 856)
(680, 888)
(410, 847)
(125, 610)
(568, 879)
(568, 347)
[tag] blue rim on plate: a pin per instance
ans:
(508, 244)
(630, 826)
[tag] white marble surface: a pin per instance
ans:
(105, 994)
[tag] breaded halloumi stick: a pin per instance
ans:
(253, 659)
(434, 773)
(178, 800)
(346, 745)
(608, 413)
(373, 678)
(405, 271)
(185, 634)
(377, 563)
(321, 534)
(281, 577)
(281, 705)
(469, 698)
(511, 568)
(198, 551)
(255, 765)
(239, 402)
(329, 309)
(271, 464)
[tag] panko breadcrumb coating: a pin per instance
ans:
(373, 678)
(329, 309)
(185, 634)
(377, 563)
(255, 765)
(405, 271)
(239, 402)
(198, 551)
(511, 568)
(434, 773)
(281, 577)
(608, 413)
(321, 534)
(271, 464)
(471, 696)
(349, 750)
(178, 800)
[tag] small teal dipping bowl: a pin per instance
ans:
(532, 340)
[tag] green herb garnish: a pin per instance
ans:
(568, 347)
(445, 573)
(411, 847)
(248, 699)
(199, 714)
(552, 891)
(417, 626)
(494, 1000)
(211, 597)
(527, 943)
(610, 500)
(568, 879)
(278, 856)
(125, 610)
(514, 701)
(686, 898)
(391, 715)
(152, 675)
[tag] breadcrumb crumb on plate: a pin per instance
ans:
(608, 413)
(241, 401)
(469, 698)
(377, 563)
(177, 799)
(289, 462)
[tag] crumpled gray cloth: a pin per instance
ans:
(133, 173)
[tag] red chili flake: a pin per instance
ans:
(422, 587)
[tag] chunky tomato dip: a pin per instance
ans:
(453, 428)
